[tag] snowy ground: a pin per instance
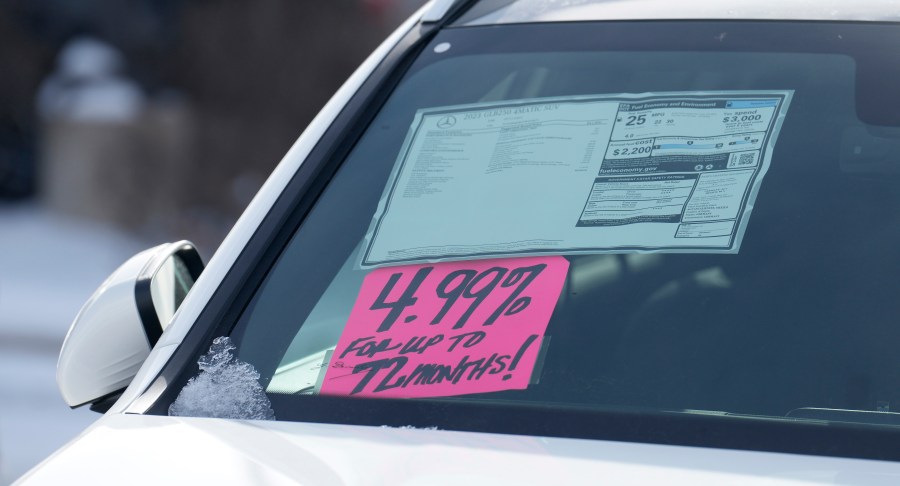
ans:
(49, 266)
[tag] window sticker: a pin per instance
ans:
(667, 172)
(446, 329)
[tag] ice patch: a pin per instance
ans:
(225, 388)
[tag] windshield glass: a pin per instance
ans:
(700, 220)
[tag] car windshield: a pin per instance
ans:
(693, 217)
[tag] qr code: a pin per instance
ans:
(745, 159)
(742, 160)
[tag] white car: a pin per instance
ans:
(538, 242)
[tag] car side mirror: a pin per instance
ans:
(117, 327)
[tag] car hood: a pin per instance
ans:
(134, 449)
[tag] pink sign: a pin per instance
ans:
(445, 329)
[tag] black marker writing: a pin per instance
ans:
(465, 285)
(519, 354)
(406, 299)
(419, 345)
(471, 339)
(373, 367)
(365, 346)
(427, 373)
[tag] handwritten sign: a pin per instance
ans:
(445, 329)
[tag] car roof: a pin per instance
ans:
(522, 11)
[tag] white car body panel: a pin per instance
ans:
(134, 449)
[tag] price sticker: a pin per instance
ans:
(630, 149)
(446, 329)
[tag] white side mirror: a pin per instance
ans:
(113, 333)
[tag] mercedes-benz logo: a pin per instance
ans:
(446, 122)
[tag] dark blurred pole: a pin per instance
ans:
(23, 62)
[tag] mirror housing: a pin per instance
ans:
(117, 327)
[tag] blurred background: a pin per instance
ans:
(128, 124)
